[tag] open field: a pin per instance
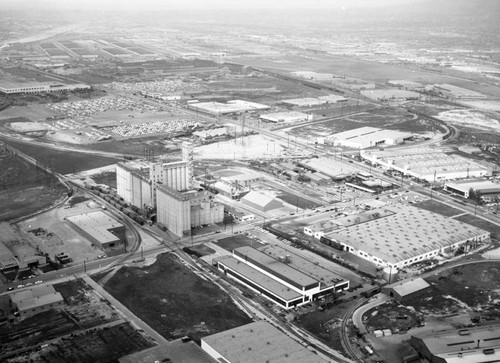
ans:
(108, 178)
(32, 112)
(24, 189)
(437, 207)
(480, 223)
(391, 315)
(63, 162)
(174, 301)
(363, 69)
(382, 118)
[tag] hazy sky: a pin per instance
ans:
(195, 4)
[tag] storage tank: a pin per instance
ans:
(390, 274)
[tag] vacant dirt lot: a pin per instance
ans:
(174, 301)
(25, 189)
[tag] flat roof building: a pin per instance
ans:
(391, 94)
(234, 106)
(277, 279)
(256, 342)
(12, 87)
(329, 166)
(404, 235)
(478, 187)
(292, 116)
(29, 302)
(366, 137)
(99, 228)
(427, 164)
(177, 351)
(472, 345)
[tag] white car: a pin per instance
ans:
(38, 282)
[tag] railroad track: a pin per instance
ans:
(346, 343)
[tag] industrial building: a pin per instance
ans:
(403, 291)
(332, 167)
(134, 186)
(180, 211)
(286, 117)
(471, 345)
(235, 106)
(481, 188)
(427, 164)
(314, 101)
(261, 201)
(99, 228)
(277, 279)
(210, 133)
(35, 300)
(366, 137)
(8, 261)
(10, 87)
(391, 94)
(404, 84)
(178, 351)
(169, 188)
(256, 342)
(402, 235)
(450, 91)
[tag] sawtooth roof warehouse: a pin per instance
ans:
(404, 236)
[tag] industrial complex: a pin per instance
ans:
(366, 137)
(476, 344)
(427, 164)
(404, 236)
(277, 279)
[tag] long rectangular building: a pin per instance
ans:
(99, 228)
(366, 137)
(471, 345)
(276, 280)
(427, 164)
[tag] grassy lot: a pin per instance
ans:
(464, 288)
(63, 162)
(174, 301)
(297, 201)
(25, 189)
(108, 178)
(438, 207)
(481, 223)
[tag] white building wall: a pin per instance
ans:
(173, 213)
(212, 352)
(124, 183)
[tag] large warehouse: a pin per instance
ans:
(481, 188)
(427, 164)
(261, 201)
(10, 87)
(256, 342)
(235, 106)
(403, 236)
(276, 279)
(366, 137)
(32, 301)
(99, 228)
(292, 116)
(329, 166)
(471, 345)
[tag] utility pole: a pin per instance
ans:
(432, 185)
